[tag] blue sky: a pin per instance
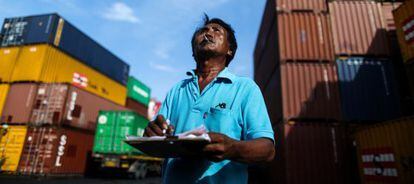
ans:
(153, 36)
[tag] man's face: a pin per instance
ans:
(212, 38)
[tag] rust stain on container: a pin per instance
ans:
(57, 104)
(404, 21)
(386, 152)
(50, 150)
(309, 152)
(305, 36)
(313, 5)
(308, 91)
(358, 28)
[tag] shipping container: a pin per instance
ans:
(8, 58)
(48, 64)
(304, 36)
(54, 30)
(4, 89)
(302, 5)
(54, 104)
(386, 9)
(358, 28)
(112, 129)
(55, 151)
(409, 68)
(308, 152)
(137, 107)
(11, 145)
(404, 21)
(386, 152)
(268, 20)
(303, 91)
(368, 89)
(138, 91)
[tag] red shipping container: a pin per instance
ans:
(137, 107)
(309, 152)
(358, 28)
(311, 5)
(268, 21)
(303, 91)
(57, 104)
(54, 151)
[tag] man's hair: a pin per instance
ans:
(231, 38)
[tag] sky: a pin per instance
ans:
(153, 36)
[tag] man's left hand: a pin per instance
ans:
(221, 147)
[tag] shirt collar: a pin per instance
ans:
(224, 74)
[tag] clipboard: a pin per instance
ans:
(169, 146)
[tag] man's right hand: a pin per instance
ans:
(156, 127)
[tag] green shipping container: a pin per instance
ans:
(112, 127)
(138, 91)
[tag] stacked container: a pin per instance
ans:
(295, 69)
(367, 72)
(55, 80)
(138, 96)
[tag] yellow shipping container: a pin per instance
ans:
(44, 63)
(4, 89)
(386, 152)
(7, 62)
(11, 146)
(404, 21)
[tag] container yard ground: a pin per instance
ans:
(78, 180)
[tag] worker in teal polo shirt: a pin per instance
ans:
(230, 107)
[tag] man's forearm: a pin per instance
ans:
(254, 151)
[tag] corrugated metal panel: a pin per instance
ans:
(368, 89)
(49, 65)
(386, 152)
(268, 59)
(54, 30)
(137, 107)
(268, 20)
(312, 152)
(358, 28)
(138, 91)
(57, 104)
(50, 150)
(313, 5)
(308, 91)
(4, 89)
(8, 58)
(19, 103)
(12, 141)
(112, 128)
(404, 20)
(305, 36)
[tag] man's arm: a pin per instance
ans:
(251, 151)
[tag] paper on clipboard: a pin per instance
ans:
(187, 144)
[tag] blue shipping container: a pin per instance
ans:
(368, 89)
(54, 30)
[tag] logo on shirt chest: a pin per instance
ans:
(221, 106)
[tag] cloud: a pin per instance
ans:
(162, 67)
(121, 12)
(163, 49)
(197, 5)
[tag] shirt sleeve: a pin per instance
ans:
(256, 121)
(165, 109)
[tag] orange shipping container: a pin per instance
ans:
(404, 20)
(303, 91)
(304, 36)
(358, 28)
(11, 145)
(386, 152)
(4, 89)
(313, 5)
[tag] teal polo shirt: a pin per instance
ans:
(230, 105)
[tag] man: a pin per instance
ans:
(230, 107)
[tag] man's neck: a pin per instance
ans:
(209, 69)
